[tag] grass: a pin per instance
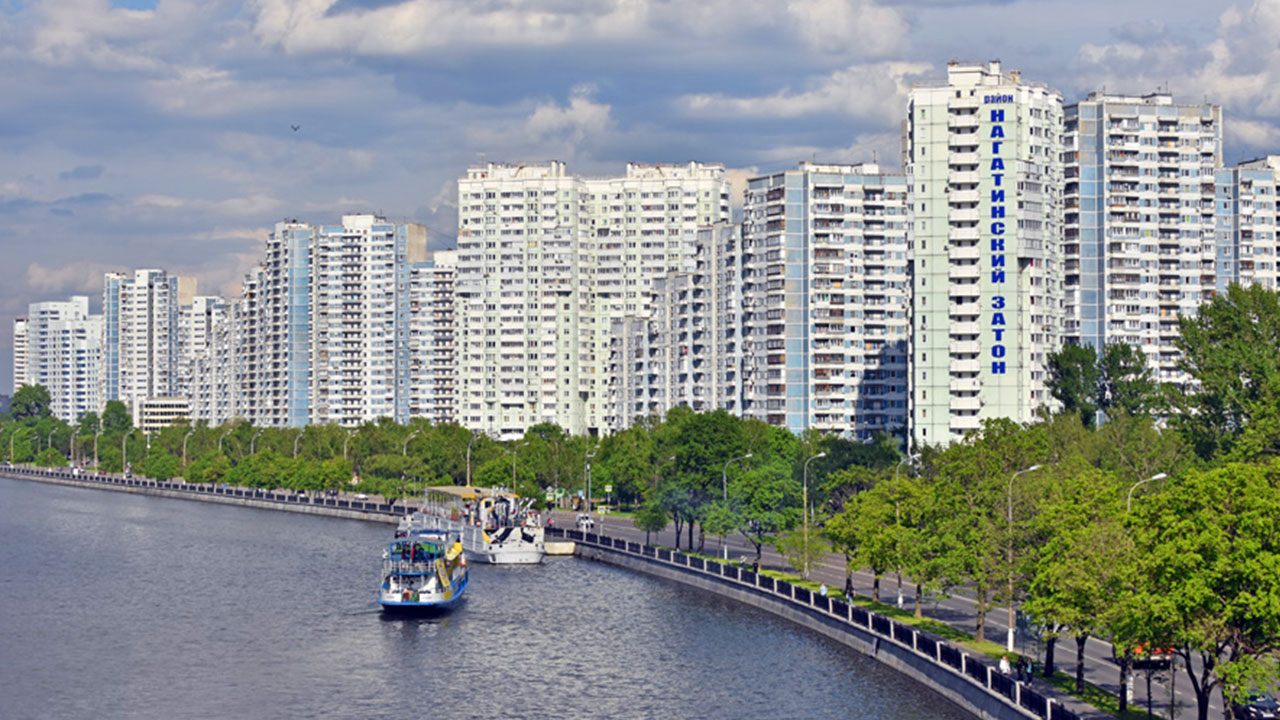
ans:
(1098, 697)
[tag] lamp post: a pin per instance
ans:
(404, 449)
(515, 449)
(71, 450)
(95, 445)
(586, 470)
(1008, 645)
(805, 510)
(13, 435)
(185, 438)
(220, 439)
(724, 492)
(48, 441)
(347, 441)
(1128, 506)
(296, 438)
(897, 516)
(124, 456)
(469, 442)
(253, 442)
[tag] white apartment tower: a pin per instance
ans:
(63, 353)
(19, 353)
(984, 160)
(1247, 219)
(432, 344)
(688, 350)
(196, 326)
(140, 348)
(1140, 241)
(546, 261)
(825, 309)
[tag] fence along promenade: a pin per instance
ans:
(1015, 699)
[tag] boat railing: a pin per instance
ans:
(405, 567)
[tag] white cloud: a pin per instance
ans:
(549, 130)
(80, 277)
(837, 26)
(876, 92)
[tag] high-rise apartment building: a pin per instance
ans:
(688, 350)
(1247, 219)
(196, 325)
(984, 160)
(63, 353)
(432, 344)
(546, 261)
(140, 350)
(1139, 236)
(825, 308)
(19, 353)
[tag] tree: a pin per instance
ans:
(160, 465)
(1209, 547)
(1073, 381)
(767, 499)
(115, 418)
(1231, 349)
(49, 457)
(1124, 381)
(650, 518)
(29, 404)
(802, 550)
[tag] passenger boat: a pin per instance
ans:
(496, 526)
(422, 570)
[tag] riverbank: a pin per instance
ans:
(970, 682)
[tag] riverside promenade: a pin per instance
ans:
(379, 510)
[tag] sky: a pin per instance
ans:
(140, 134)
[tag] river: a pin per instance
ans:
(115, 605)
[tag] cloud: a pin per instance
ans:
(72, 278)
(82, 172)
(548, 130)
(874, 92)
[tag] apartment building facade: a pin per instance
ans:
(62, 351)
(432, 340)
(1141, 244)
(826, 281)
(984, 159)
(546, 261)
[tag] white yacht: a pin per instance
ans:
(496, 526)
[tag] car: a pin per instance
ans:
(1256, 705)
(1157, 658)
(361, 496)
(585, 522)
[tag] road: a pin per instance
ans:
(957, 610)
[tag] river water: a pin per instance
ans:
(116, 605)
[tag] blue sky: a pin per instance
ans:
(157, 134)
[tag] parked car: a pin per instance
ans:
(585, 522)
(1258, 705)
(1157, 657)
(361, 496)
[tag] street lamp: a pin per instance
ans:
(296, 438)
(469, 442)
(897, 517)
(1009, 547)
(225, 434)
(586, 470)
(805, 510)
(254, 440)
(724, 491)
(404, 450)
(12, 435)
(124, 443)
(95, 445)
(347, 440)
(48, 441)
(514, 450)
(185, 438)
(1128, 506)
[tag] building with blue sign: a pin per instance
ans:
(984, 160)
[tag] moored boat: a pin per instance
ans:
(495, 526)
(423, 570)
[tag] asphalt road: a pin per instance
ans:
(958, 610)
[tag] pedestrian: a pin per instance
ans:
(822, 589)
(848, 587)
(1005, 668)
(1020, 668)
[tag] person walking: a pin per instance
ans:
(1020, 670)
(1005, 668)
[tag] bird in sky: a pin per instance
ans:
(296, 128)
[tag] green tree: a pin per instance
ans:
(1124, 381)
(1073, 381)
(50, 458)
(802, 550)
(160, 465)
(767, 499)
(115, 418)
(29, 404)
(651, 518)
(1231, 349)
(1209, 547)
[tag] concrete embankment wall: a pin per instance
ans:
(968, 681)
(262, 499)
